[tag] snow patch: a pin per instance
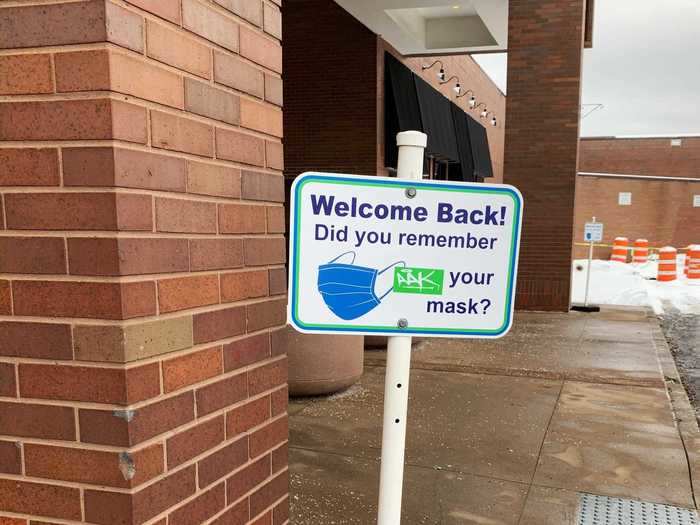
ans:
(616, 283)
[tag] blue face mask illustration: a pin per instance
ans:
(347, 289)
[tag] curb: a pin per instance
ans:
(683, 413)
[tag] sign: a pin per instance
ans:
(376, 255)
(593, 232)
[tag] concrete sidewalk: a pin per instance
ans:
(509, 431)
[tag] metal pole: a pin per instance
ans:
(588, 271)
(398, 368)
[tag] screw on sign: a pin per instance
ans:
(401, 257)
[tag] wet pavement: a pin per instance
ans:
(504, 432)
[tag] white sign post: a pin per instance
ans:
(401, 257)
(592, 233)
(398, 367)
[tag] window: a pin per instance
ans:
(624, 198)
(696, 201)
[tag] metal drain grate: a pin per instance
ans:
(604, 510)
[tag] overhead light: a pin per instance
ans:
(472, 98)
(456, 7)
(493, 117)
(458, 88)
(440, 73)
(485, 111)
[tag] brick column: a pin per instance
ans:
(545, 40)
(142, 280)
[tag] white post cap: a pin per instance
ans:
(412, 138)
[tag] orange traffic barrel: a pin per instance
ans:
(641, 251)
(692, 261)
(619, 251)
(667, 264)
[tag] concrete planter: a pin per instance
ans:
(375, 342)
(323, 364)
(379, 342)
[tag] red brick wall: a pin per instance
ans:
(651, 156)
(142, 371)
(330, 90)
(661, 211)
(545, 40)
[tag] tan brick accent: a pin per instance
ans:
(140, 172)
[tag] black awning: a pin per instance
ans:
(464, 146)
(403, 94)
(411, 103)
(436, 116)
(480, 149)
(401, 106)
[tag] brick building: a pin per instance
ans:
(143, 262)
(640, 187)
(142, 252)
(335, 81)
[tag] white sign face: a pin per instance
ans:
(624, 198)
(593, 232)
(696, 201)
(385, 256)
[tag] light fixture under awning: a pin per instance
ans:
(453, 135)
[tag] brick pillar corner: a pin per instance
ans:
(545, 42)
(142, 263)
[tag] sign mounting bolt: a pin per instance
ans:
(403, 323)
(410, 192)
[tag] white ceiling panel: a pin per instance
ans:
(418, 27)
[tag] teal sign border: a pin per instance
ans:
(353, 180)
